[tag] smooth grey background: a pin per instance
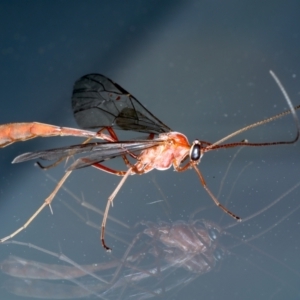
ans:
(202, 68)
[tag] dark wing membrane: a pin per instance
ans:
(98, 152)
(99, 102)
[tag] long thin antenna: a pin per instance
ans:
(288, 100)
(292, 110)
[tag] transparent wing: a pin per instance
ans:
(99, 102)
(98, 152)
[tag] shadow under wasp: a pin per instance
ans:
(98, 102)
(161, 260)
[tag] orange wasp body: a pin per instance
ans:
(99, 103)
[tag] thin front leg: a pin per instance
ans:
(110, 202)
(183, 168)
(212, 195)
(192, 164)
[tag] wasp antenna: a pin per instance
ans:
(291, 110)
(289, 102)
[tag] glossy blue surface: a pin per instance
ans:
(202, 67)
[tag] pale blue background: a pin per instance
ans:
(202, 68)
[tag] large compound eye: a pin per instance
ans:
(195, 153)
(213, 234)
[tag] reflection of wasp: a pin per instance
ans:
(160, 261)
(190, 246)
(99, 103)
